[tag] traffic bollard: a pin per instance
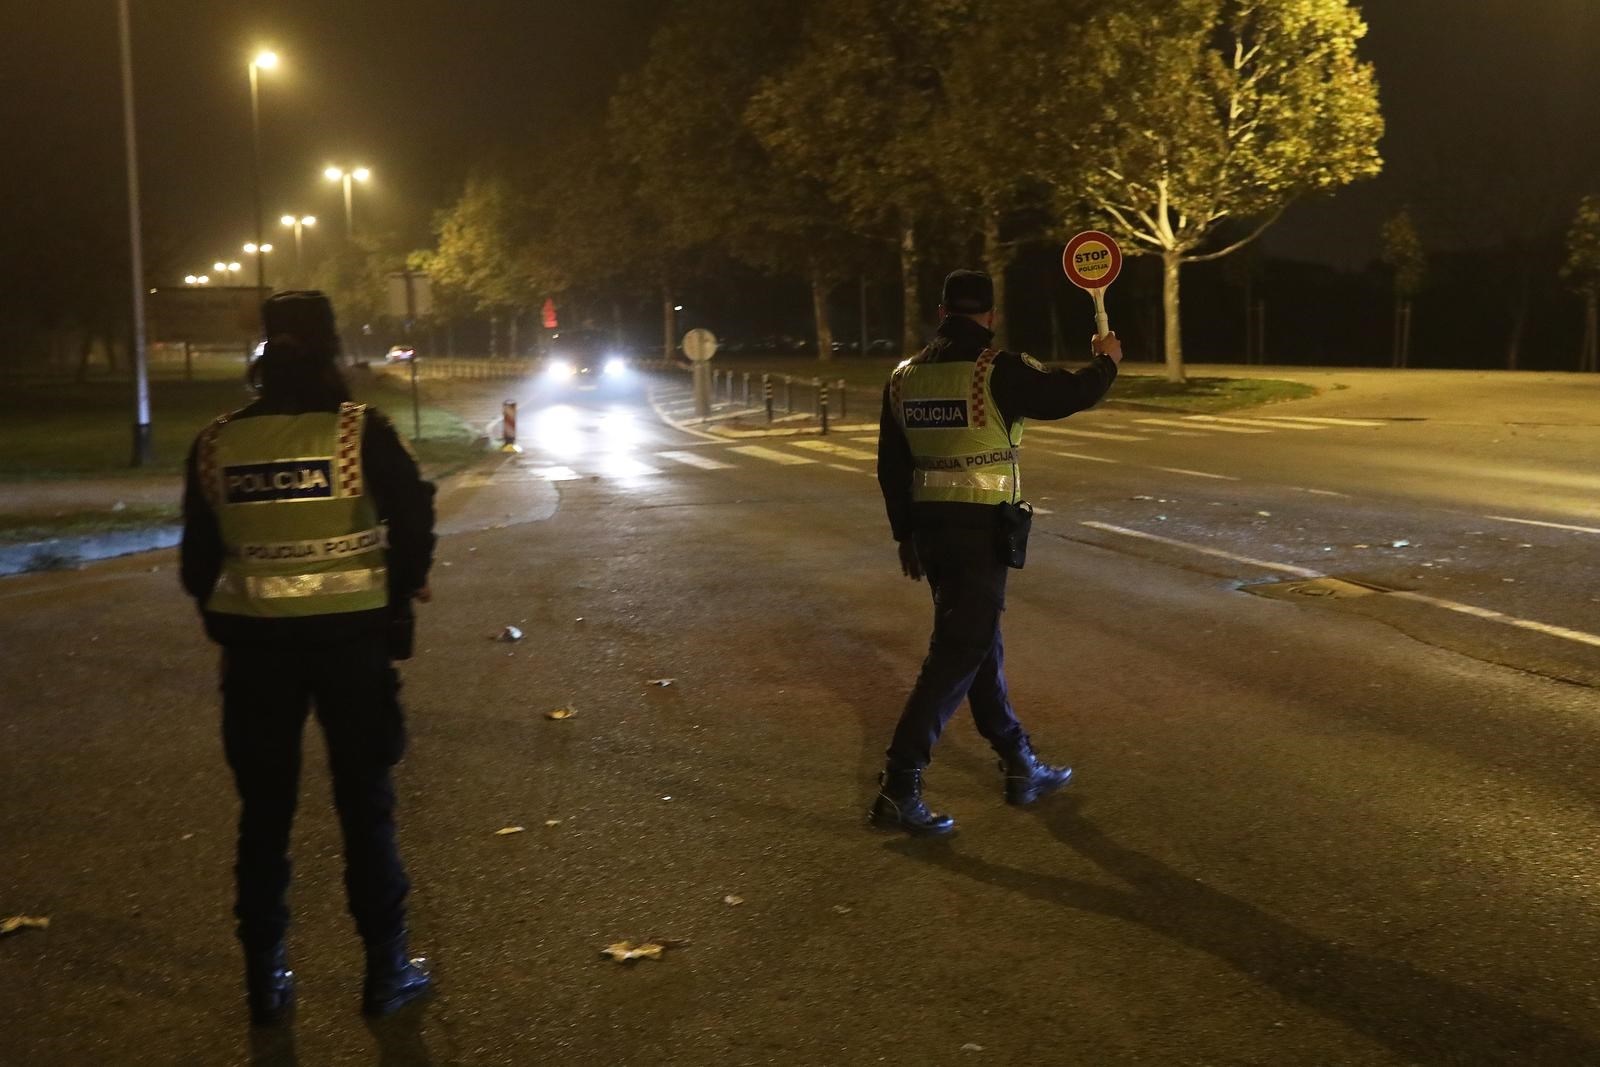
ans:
(508, 427)
(822, 405)
(746, 388)
(766, 391)
(788, 395)
(843, 392)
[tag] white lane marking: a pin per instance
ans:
(1037, 510)
(771, 455)
(1551, 525)
(1323, 422)
(1487, 614)
(1250, 561)
(1095, 434)
(626, 467)
(1198, 474)
(864, 440)
(1263, 427)
(847, 467)
(834, 450)
(1191, 426)
(1500, 617)
(1317, 492)
(677, 424)
(705, 463)
(557, 474)
(1077, 455)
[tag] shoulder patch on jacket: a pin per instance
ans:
(1030, 361)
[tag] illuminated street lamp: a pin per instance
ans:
(197, 279)
(260, 251)
(339, 174)
(298, 223)
(263, 60)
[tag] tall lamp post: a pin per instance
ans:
(142, 453)
(260, 252)
(340, 174)
(263, 61)
(298, 223)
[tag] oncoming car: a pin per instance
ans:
(400, 354)
(584, 358)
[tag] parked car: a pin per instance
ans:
(400, 354)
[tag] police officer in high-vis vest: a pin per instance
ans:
(308, 532)
(949, 465)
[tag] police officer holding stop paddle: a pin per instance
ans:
(949, 466)
(308, 532)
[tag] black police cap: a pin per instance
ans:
(304, 314)
(968, 292)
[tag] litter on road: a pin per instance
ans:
(510, 633)
(504, 830)
(662, 682)
(628, 952)
(732, 901)
(18, 923)
(561, 713)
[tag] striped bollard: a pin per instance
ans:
(508, 427)
(746, 388)
(788, 395)
(822, 405)
(766, 392)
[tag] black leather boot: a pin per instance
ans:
(393, 979)
(1027, 778)
(899, 806)
(268, 984)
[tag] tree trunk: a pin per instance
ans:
(911, 327)
(994, 261)
(819, 311)
(494, 335)
(511, 335)
(1589, 361)
(669, 324)
(1249, 320)
(1170, 263)
(1519, 322)
(450, 338)
(864, 338)
(1405, 334)
(85, 353)
(1396, 345)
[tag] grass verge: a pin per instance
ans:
(52, 430)
(28, 529)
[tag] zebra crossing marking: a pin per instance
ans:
(693, 459)
(834, 450)
(771, 455)
(1261, 427)
(1324, 421)
(1099, 435)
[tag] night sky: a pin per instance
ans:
(1493, 108)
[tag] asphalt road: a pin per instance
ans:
(1306, 829)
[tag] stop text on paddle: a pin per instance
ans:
(1092, 260)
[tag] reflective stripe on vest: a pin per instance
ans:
(959, 445)
(301, 534)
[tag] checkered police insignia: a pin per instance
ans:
(347, 454)
(206, 462)
(980, 377)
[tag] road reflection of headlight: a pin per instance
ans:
(615, 367)
(560, 368)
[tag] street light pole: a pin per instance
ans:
(142, 452)
(268, 60)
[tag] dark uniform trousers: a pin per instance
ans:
(966, 659)
(266, 694)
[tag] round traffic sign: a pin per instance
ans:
(1092, 260)
(699, 345)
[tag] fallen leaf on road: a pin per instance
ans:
(1265, 514)
(972, 1046)
(561, 713)
(628, 952)
(510, 633)
(504, 830)
(662, 682)
(17, 923)
(840, 909)
(1400, 544)
(1360, 546)
(552, 822)
(732, 901)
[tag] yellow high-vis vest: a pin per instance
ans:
(301, 534)
(959, 445)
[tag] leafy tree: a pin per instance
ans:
(701, 168)
(481, 244)
(853, 112)
(1218, 110)
(1581, 272)
(355, 277)
(1403, 254)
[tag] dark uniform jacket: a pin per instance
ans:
(1022, 390)
(404, 501)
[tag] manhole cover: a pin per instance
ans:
(1315, 589)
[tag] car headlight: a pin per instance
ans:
(615, 366)
(559, 368)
